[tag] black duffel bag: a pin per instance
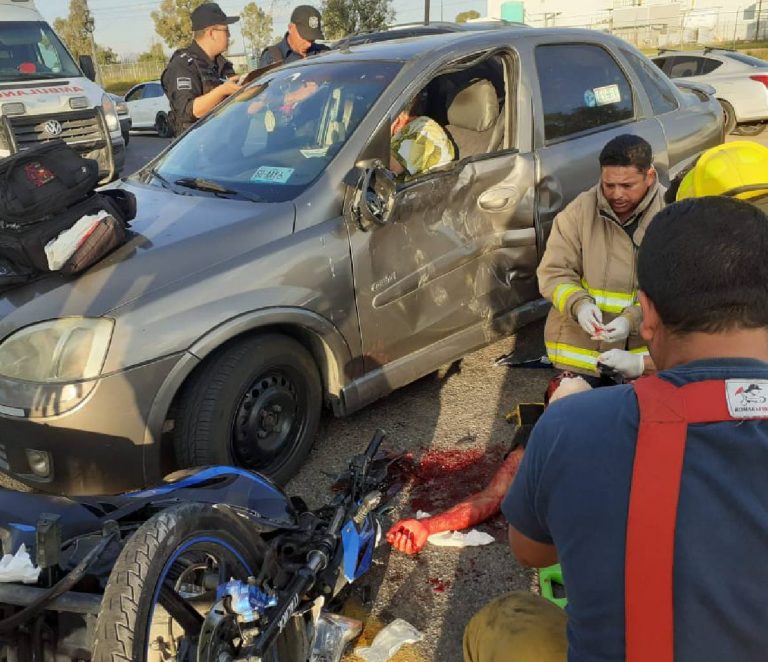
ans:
(42, 181)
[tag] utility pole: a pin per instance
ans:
(757, 19)
(426, 12)
(90, 24)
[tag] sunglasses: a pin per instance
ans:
(221, 30)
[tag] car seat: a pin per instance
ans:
(472, 117)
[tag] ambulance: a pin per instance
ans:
(45, 95)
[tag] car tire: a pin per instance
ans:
(750, 129)
(729, 117)
(255, 404)
(163, 126)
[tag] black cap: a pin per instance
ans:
(209, 14)
(308, 22)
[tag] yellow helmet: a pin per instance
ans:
(736, 168)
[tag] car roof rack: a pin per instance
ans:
(669, 50)
(709, 49)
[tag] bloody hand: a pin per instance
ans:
(408, 536)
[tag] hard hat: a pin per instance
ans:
(737, 169)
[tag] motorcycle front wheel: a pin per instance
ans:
(164, 584)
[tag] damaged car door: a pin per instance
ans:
(440, 257)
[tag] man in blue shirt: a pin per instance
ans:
(703, 277)
(299, 42)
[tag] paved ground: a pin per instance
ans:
(455, 418)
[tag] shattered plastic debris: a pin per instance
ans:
(389, 640)
(332, 635)
(18, 567)
(472, 538)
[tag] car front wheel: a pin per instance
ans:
(163, 126)
(256, 404)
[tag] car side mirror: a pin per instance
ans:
(376, 195)
(86, 66)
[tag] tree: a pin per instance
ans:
(465, 16)
(343, 17)
(173, 23)
(256, 27)
(73, 30)
(154, 54)
(106, 55)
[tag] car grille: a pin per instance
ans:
(81, 129)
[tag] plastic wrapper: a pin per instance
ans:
(332, 635)
(387, 642)
(472, 538)
(18, 567)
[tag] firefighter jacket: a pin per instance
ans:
(591, 255)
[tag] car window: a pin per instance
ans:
(684, 66)
(136, 93)
(659, 62)
(708, 65)
(748, 59)
(656, 85)
(582, 87)
(153, 90)
(273, 138)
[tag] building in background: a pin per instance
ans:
(646, 23)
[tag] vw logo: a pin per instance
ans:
(52, 127)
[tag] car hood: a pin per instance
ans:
(172, 237)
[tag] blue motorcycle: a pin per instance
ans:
(214, 565)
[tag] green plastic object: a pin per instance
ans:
(551, 584)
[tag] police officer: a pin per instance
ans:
(300, 40)
(198, 77)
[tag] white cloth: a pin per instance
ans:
(472, 538)
(59, 249)
(18, 567)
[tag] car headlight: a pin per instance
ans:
(110, 113)
(68, 349)
(122, 108)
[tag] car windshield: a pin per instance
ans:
(275, 137)
(31, 50)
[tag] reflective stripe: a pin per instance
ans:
(640, 350)
(610, 302)
(572, 355)
(561, 294)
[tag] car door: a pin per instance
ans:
(690, 124)
(155, 100)
(583, 98)
(458, 251)
(135, 106)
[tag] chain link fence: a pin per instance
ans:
(136, 71)
(668, 26)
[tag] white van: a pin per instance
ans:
(45, 95)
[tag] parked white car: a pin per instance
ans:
(149, 108)
(740, 82)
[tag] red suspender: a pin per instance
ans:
(665, 412)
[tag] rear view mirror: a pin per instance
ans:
(375, 198)
(86, 66)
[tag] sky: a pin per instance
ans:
(127, 28)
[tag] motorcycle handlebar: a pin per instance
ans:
(373, 445)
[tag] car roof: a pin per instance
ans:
(413, 48)
(405, 30)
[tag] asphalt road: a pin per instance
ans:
(453, 423)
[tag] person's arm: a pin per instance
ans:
(530, 553)
(410, 535)
(208, 101)
(561, 268)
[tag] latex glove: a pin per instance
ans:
(616, 330)
(408, 536)
(589, 317)
(627, 364)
